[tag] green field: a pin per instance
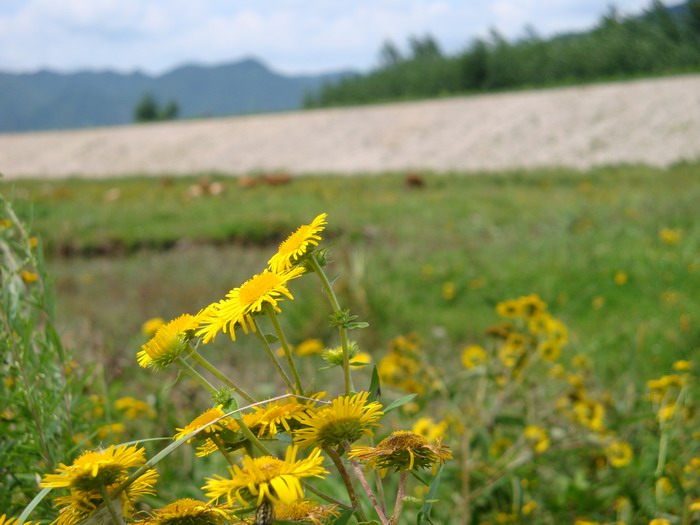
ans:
(154, 251)
(614, 252)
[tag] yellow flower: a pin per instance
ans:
(134, 408)
(347, 419)
(682, 366)
(695, 506)
(666, 413)
(448, 291)
(529, 507)
(169, 342)
(538, 437)
(151, 326)
(305, 511)
(473, 356)
(297, 244)
(245, 301)
(659, 521)
(81, 505)
(215, 424)
(309, 347)
(549, 350)
(429, 429)
(620, 278)
(4, 520)
(402, 450)
(111, 429)
(33, 242)
(267, 478)
(93, 469)
(670, 236)
(361, 359)
(29, 277)
(532, 305)
(186, 511)
(510, 309)
(598, 302)
(619, 453)
(278, 416)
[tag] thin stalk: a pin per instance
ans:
(466, 503)
(285, 346)
(326, 497)
(185, 366)
(116, 520)
(400, 495)
(341, 330)
(222, 448)
(663, 451)
(221, 377)
(252, 437)
(271, 356)
(363, 481)
(356, 503)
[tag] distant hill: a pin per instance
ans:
(49, 100)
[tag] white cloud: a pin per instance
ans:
(291, 35)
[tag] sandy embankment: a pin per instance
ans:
(655, 122)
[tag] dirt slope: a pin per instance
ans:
(654, 122)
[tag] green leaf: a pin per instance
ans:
(271, 338)
(424, 514)
(510, 420)
(343, 518)
(399, 402)
(375, 388)
(356, 324)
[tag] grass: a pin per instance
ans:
(434, 260)
(124, 250)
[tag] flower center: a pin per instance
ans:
(295, 241)
(257, 287)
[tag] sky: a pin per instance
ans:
(291, 36)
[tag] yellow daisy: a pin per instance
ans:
(402, 450)
(538, 438)
(170, 341)
(94, 469)
(219, 427)
(473, 356)
(245, 301)
(133, 408)
(427, 427)
(4, 520)
(267, 478)
(279, 416)
(151, 326)
(346, 420)
(186, 511)
(298, 244)
(304, 511)
(619, 453)
(81, 505)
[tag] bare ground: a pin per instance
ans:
(654, 122)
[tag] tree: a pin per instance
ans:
(147, 109)
(389, 55)
(424, 48)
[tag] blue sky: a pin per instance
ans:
(292, 36)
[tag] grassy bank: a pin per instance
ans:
(433, 259)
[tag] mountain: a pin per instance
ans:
(50, 100)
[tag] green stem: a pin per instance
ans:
(271, 356)
(285, 346)
(221, 377)
(663, 451)
(116, 520)
(341, 330)
(222, 448)
(252, 437)
(356, 503)
(185, 366)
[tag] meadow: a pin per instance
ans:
(612, 252)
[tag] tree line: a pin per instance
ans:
(661, 41)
